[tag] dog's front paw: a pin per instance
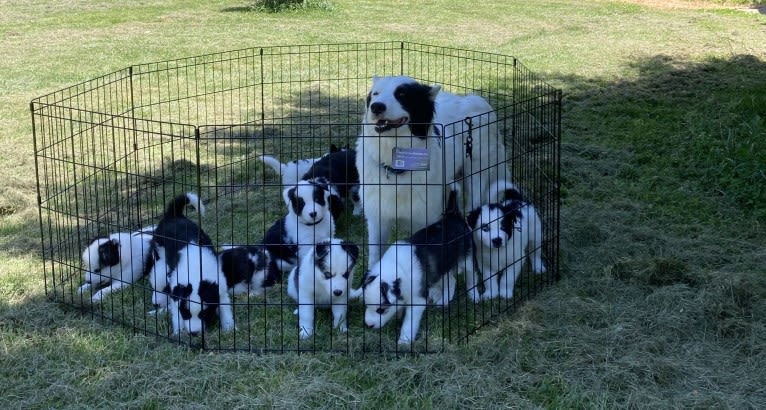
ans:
(97, 296)
(405, 340)
(343, 328)
(228, 325)
(306, 332)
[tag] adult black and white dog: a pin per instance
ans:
(186, 258)
(323, 278)
(505, 230)
(245, 268)
(335, 170)
(307, 222)
(419, 269)
(115, 261)
(415, 139)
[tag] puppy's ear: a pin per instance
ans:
(434, 91)
(321, 250)
(396, 289)
(351, 249)
(288, 195)
(473, 216)
(367, 279)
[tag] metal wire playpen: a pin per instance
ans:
(111, 152)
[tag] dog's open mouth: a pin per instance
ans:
(385, 125)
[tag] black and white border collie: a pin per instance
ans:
(401, 113)
(506, 230)
(323, 278)
(116, 261)
(419, 269)
(308, 221)
(335, 170)
(245, 268)
(185, 256)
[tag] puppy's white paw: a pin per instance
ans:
(405, 340)
(306, 332)
(156, 312)
(343, 328)
(475, 295)
(228, 325)
(355, 293)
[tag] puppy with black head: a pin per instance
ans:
(323, 278)
(505, 231)
(245, 268)
(308, 221)
(116, 261)
(337, 171)
(185, 256)
(419, 269)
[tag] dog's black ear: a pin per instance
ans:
(473, 216)
(369, 98)
(397, 290)
(181, 291)
(321, 250)
(367, 279)
(351, 249)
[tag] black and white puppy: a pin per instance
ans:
(506, 230)
(115, 261)
(308, 221)
(337, 171)
(245, 268)
(323, 278)
(404, 160)
(185, 255)
(419, 269)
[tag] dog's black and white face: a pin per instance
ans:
(194, 287)
(494, 224)
(245, 268)
(101, 253)
(310, 202)
(381, 300)
(396, 102)
(334, 262)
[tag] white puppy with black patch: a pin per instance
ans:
(323, 278)
(505, 231)
(415, 139)
(308, 221)
(245, 268)
(419, 269)
(194, 282)
(116, 261)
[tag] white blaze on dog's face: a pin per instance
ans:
(309, 202)
(394, 102)
(381, 300)
(494, 224)
(333, 264)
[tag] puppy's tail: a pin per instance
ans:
(274, 163)
(503, 190)
(179, 203)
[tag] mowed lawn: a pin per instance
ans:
(662, 298)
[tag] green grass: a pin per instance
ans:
(663, 285)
